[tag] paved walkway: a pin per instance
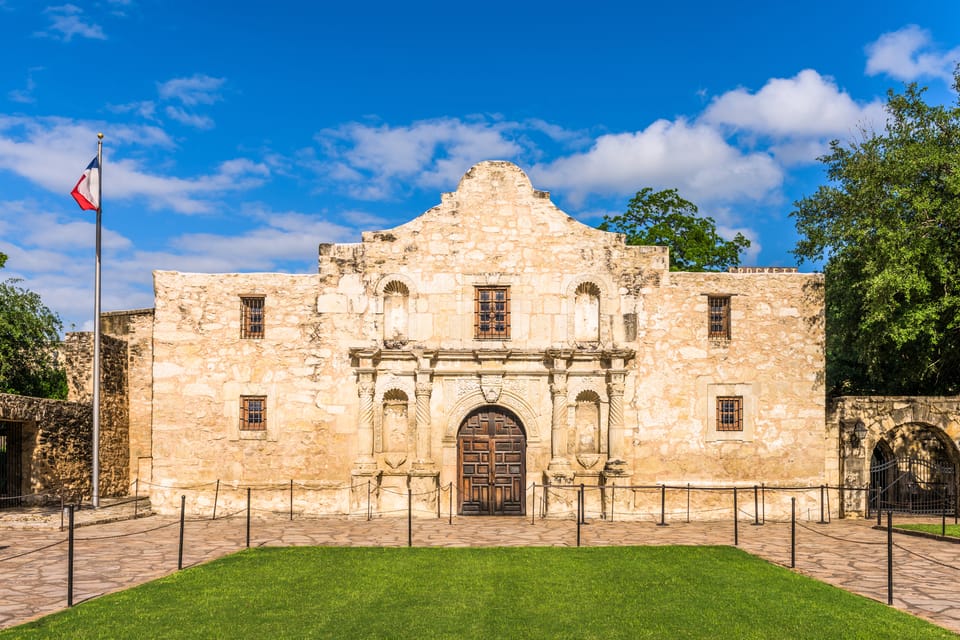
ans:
(114, 556)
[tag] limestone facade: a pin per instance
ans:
(492, 318)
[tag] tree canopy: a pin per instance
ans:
(663, 218)
(29, 334)
(888, 225)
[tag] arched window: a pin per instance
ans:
(587, 422)
(396, 299)
(586, 313)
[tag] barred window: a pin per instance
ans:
(719, 317)
(492, 318)
(253, 413)
(251, 313)
(730, 413)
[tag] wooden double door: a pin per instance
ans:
(492, 461)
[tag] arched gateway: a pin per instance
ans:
(491, 463)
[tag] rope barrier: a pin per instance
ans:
(927, 558)
(26, 553)
(832, 537)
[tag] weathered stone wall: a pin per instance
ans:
(907, 425)
(77, 350)
(370, 367)
(56, 458)
(135, 328)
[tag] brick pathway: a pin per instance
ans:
(114, 556)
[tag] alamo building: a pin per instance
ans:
(494, 347)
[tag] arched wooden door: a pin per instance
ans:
(492, 463)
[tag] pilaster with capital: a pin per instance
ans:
(423, 390)
(615, 425)
(365, 388)
(558, 430)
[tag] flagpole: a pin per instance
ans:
(95, 499)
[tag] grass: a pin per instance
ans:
(952, 530)
(585, 593)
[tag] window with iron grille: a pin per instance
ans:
(719, 320)
(251, 311)
(492, 317)
(253, 413)
(730, 413)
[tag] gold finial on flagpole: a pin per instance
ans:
(100, 135)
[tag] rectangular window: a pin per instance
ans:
(719, 319)
(730, 413)
(492, 319)
(251, 323)
(253, 413)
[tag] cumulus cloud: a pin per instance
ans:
(67, 21)
(693, 157)
(910, 54)
(374, 159)
(806, 105)
(51, 152)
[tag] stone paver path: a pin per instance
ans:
(114, 556)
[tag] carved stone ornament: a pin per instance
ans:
(587, 460)
(490, 386)
(394, 460)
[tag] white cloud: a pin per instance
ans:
(52, 152)
(145, 109)
(189, 119)
(429, 154)
(909, 54)
(193, 90)
(694, 158)
(67, 21)
(806, 105)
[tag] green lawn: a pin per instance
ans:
(600, 592)
(952, 530)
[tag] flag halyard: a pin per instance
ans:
(87, 190)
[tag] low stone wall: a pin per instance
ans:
(56, 450)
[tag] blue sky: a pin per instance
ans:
(239, 136)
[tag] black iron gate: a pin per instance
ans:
(11, 454)
(913, 485)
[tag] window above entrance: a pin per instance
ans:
(251, 321)
(492, 313)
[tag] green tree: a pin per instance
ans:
(663, 218)
(888, 225)
(29, 334)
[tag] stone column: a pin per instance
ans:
(423, 390)
(615, 423)
(558, 430)
(365, 460)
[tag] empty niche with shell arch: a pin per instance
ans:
(396, 314)
(586, 313)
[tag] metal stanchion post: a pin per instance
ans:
(216, 494)
(70, 557)
(736, 519)
(763, 503)
(248, 517)
(409, 517)
(291, 499)
(890, 557)
(369, 512)
(688, 503)
(450, 504)
(663, 506)
(183, 507)
(613, 499)
(136, 496)
(578, 514)
(822, 521)
(756, 506)
(793, 532)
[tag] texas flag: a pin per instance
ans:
(87, 191)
